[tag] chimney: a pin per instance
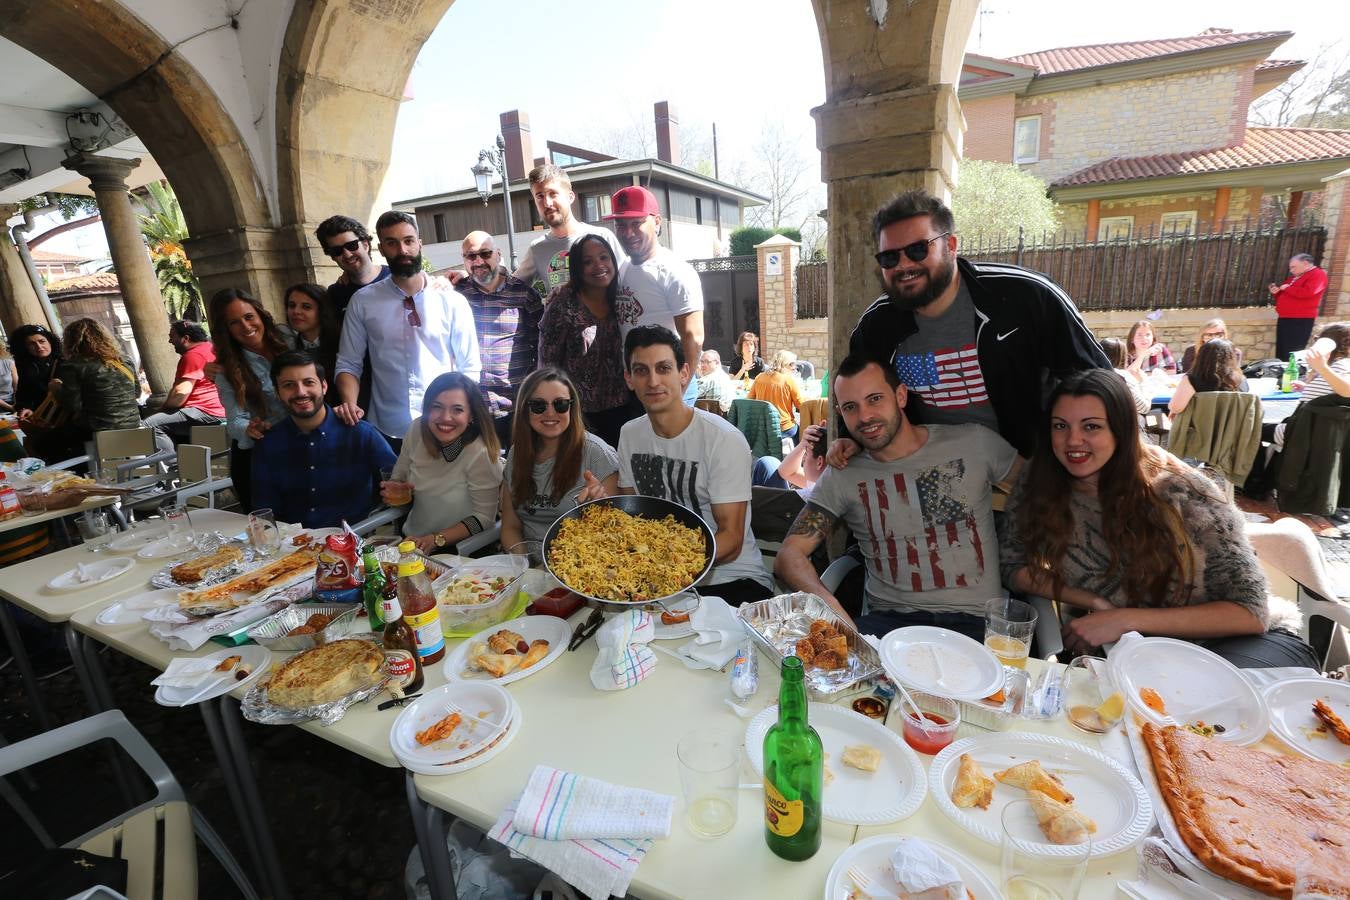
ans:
(667, 134)
(516, 133)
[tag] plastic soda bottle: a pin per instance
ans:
(419, 604)
(794, 772)
(1290, 375)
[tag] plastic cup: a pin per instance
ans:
(263, 535)
(178, 527)
(1086, 692)
(95, 529)
(399, 492)
(1008, 628)
(1027, 875)
(710, 766)
(941, 718)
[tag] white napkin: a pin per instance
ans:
(85, 573)
(717, 634)
(194, 633)
(562, 806)
(917, 868)
(624, 658)
(598, 868)
(1160, 878)
(185, 672)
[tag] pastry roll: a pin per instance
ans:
(1030, 776)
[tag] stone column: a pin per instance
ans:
(19, 304)
(777, 292)
(1336, 256)
(135, 275)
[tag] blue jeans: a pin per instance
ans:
(765, 473)
(790, 433)
(883, 622)
(691, 392)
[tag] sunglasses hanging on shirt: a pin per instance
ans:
(917, 252)
(413, 318)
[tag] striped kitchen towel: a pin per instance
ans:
(623, 658)
(561, 806)
(598, 868)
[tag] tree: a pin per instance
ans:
(164, 230)
(993, 199)
(69, 205)
(1316, 96)
(779, 173)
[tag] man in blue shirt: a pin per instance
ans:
(311, 467)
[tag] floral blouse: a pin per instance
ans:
(588, 349)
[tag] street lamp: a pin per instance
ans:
(490, 162)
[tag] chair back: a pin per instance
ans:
(1220, 428)
(805, 369)
(117, 446)
(216, 438)
(711, 406)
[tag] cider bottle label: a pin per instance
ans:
(401, 666)
(784, 817)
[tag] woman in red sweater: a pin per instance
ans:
(1296, 304)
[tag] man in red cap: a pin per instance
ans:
(657, 287)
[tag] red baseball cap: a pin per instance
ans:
(633, 203)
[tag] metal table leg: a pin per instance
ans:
(229, 715)
(216, 734)
(429, 825)
(25, 667)
(93, 698)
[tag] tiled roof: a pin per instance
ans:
(47, 256)
(1262, 147)
(98, 283)
(1266, 65)
(1069, 59)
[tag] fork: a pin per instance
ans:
(864, 883)
(1195, 714)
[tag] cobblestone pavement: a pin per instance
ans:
(341, 822)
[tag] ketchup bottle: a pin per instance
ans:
(419, 604)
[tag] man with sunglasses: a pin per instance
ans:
(346, 242)
(506, 313)
(413, 329)
(972, 342)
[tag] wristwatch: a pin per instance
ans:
(439, 539)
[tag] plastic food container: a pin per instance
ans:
(271, 632)
(471, 618)
(999, 716)
(941, 719)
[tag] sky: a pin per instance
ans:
(742, 64)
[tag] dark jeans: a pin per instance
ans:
(765, 473)
(395, 444)
(502, 424)
(1291, 336)
(883, 622)
(241, 474)
(607, 423)
(177, 425)
(1273, 649)
(738, 592)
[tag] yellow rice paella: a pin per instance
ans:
(611, 555)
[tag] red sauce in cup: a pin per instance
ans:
(931, 739)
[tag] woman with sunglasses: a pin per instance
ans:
(451, 459)
(1213, 330)
(552, 458)
(580, 335)
(312, 324)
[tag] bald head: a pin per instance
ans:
(481, 259)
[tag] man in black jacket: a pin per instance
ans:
(975, 342)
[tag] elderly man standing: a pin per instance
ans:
(1297, 301)
(656, 287)
(414, 331)
(713, 381)
(545, 264)
(506, 313)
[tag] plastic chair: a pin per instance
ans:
(393, 515)
(805, 369)
(215, 437)
(196, 477)
(128, 457)
(1288, 550)
(156, 837)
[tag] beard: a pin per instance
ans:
(406, 266)
(555, 219)
(316, 405)
(891, 427)
(484, 276)
(934, 283)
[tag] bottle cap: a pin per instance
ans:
(407, 547)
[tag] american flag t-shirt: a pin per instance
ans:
(946, 378)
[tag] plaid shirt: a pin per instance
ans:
(507, 321)
(321, 478)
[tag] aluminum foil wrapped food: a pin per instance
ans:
(320, 683)
(777, 624)
(256, 707)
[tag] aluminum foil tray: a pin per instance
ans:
(257, 708)
(271, 632)
(778, 623)
(997, 717)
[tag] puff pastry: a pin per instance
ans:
(538, 650)
(973, 787)
(861, 756)
(1060, 822)
(1031, 776)
(504, 640)
(497, 664)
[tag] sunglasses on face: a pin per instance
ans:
(560, 405)
(480, 254)
(411, 308)
(336, 250)
(917, 252)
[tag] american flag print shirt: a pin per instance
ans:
(949, 378)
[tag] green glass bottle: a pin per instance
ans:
(1290, 375)
(373, 589)
(794, 772)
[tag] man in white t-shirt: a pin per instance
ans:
(545, 263)
(691, 457)
(656, 287)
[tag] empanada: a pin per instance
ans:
(1060, 822)
(497, 664)
(538, 650)
(973, 787)
(1031, 776)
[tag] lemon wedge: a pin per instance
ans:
(1112, 707)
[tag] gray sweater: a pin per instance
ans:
(1226, 567)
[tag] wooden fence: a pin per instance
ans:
(1155, 271)
(813, 286)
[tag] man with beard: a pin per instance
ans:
(544, 266)
(656, 287)
(506, 313)
(413, 330)
(346, 242)
(976, 342)
(917, 498)
(312, 467)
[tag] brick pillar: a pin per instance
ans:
(135, 275)
(777, 292)
(19, 304)
(1336, 256)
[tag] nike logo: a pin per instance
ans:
(1002, 336)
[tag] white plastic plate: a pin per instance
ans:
(663, 632)
(455, 666)
(1102, 788)
(96, 573)
(942, 662)
(135, 540)
(1291, 716)
(872, 856)
(258, 659)
(132, 609)
(488, 712)
(163, 548)
(1191, 681)
(891, 793)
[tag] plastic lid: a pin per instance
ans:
(407, 547)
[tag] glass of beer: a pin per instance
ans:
(1008, 627)
(398, 492)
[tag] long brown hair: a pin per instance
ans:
(1134, 329)
(480, 417)
(248, 389)
(1150, 550)
(1339, 332)
(88, 339)
(525, 442)
(1215, 367)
